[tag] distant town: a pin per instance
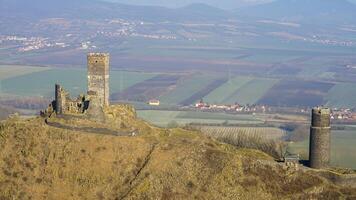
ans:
(118, 28)
(337, 114)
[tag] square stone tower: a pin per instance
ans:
(98, 76)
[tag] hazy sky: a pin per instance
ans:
(227, 4)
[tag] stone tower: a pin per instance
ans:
(59, 100)
(98, 76)
(319, 148)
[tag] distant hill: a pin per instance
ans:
(95, 9)
(225, 4)
(309, 11)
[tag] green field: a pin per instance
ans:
(41, 83)
(9, 71)
(342, 94)
(251, 92)
(343, 148)
(186, 88)
(225, 91)
(163, 118)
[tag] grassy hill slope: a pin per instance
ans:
(66, 160)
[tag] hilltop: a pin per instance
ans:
(125, 158)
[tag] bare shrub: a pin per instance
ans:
(253, 141)
(300, 133)
(250, 140)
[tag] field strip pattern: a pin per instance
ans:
(251, 92)
(342, 94)
(41, 82)
(206, 90)
(185, 88)
(225, 90)
(149, 89)
(233, 132)
(10, 71)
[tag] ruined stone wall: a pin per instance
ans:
(98, 76)
(319, 148)
(63, 104)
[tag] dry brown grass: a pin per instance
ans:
(38, 161)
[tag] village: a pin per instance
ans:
(347, 115)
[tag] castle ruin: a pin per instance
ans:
(97, 97)
(319, 148)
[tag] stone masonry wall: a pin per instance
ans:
(98, 76)
(319, 148)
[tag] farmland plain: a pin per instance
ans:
(186, 88)
(9, 71)
(342, 95)
(226, 90)
(41, 82)
(182, 88)
(289, 92)
(251, 92)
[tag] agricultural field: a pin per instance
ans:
(342, 148)
(341, 95)
(182, 88)
(9, 71)
(297, 92)
(224, 91)
(268, 133)
(251, 92)
(186, 88)
(164, 118)
(144, 90)
(41, 82)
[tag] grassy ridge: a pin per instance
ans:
(39, 161)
